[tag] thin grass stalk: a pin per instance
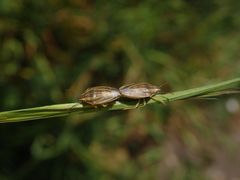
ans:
(59, 110)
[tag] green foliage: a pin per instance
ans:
(50, 51)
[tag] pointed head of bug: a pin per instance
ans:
(155, 89)
(151, 88)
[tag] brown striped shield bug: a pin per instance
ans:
(99, 96)
(140, 91)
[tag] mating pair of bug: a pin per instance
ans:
(105, 95)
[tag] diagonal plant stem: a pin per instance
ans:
(66, 109)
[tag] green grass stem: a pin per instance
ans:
(58, 110)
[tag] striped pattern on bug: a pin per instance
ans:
(139, 90)
(100, 95)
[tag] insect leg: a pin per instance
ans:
(138, 103)
(104, 105)
(165, 101)
(141, 103)
(144, 102)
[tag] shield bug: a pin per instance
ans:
(99, 96)
(139, 91)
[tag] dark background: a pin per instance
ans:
(52, 50)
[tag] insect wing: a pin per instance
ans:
(100, 95)
(139, 90)
(132, 93)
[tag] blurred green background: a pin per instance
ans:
(52, 50)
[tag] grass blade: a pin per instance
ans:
(65, 109)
